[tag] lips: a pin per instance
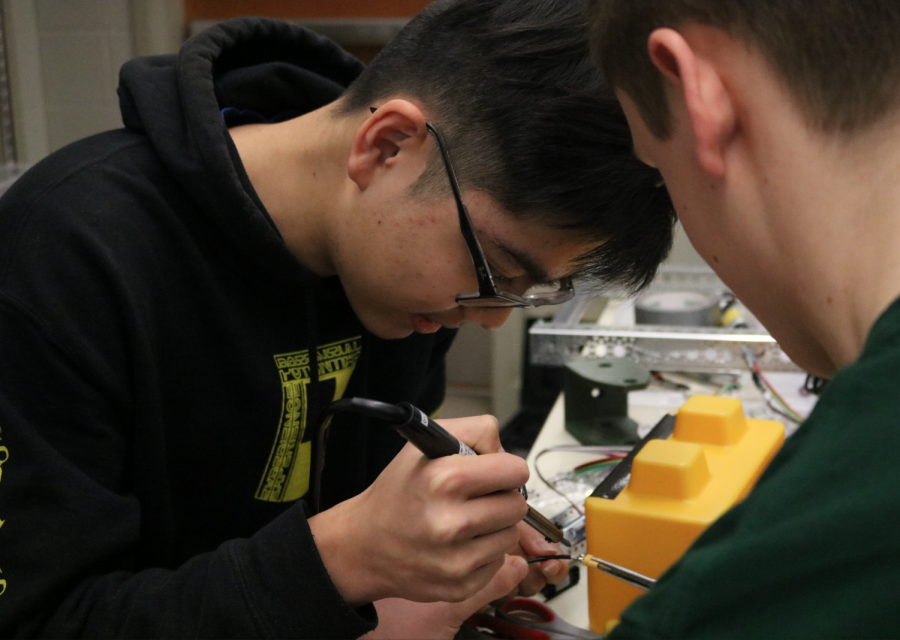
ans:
(421, 324)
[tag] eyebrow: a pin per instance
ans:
(528, 264)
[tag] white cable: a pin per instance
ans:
(571, 448)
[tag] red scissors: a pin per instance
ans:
(526, 619)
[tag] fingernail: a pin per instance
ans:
(553, 570)
(522, 564)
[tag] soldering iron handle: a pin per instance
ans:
(428, 436)
(432, 439)
(436, 442)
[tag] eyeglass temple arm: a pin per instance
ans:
(485, 279)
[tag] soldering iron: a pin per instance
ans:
(427, 436)
(628, 576)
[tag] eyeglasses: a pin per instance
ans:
(488, 294)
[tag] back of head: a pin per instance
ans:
(530, 121)
(840, 59)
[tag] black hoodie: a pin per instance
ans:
(156, 344)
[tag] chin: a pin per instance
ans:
(394, 335)
(389, 333)
(385, 329)
(819, 370)
(798, 341)
(383, 323)
(812, 360)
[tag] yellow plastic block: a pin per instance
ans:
(678, 487)
(708, 420)
(670, 469)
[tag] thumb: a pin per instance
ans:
(504, 582)
(482, 433)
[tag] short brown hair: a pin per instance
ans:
(839, 58)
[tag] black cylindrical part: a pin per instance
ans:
(428, 436)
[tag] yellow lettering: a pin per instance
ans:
(4, 454)
(326, 367)
(292, 360)
(287, 472)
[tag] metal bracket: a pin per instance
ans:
(657, 347)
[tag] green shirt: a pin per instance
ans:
(814, 551)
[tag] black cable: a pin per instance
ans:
(815, 385)
(545, 558)
(362, 406)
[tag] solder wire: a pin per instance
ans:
(633, 578)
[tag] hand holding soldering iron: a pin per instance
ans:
(428, 530)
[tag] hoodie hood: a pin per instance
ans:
(268, 68)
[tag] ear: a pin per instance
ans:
(395, 131)
(709, 105)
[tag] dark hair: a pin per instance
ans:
(839, 58)
(530, 121)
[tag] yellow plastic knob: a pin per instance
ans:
(711, 420)
(669, 469)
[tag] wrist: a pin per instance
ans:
(342, 549)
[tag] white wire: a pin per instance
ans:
(581, 448)
(571, 448)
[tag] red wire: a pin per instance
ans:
(768, 384)
(609, 458)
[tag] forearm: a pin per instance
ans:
(270, 585)
(71, 556)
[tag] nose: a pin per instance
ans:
(487, 317)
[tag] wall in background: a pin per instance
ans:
(83, 43)
(362, 28)
(65, 57)
(221, 9)
(487, 365)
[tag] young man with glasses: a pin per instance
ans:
(181, 299)
(776, 126)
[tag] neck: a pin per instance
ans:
(299, 171)
(842, 211)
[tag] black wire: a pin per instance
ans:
(814, 385)
(757, 380)
(544, 558)
(390, 413)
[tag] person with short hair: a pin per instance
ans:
(275, 228)
(776, 126)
